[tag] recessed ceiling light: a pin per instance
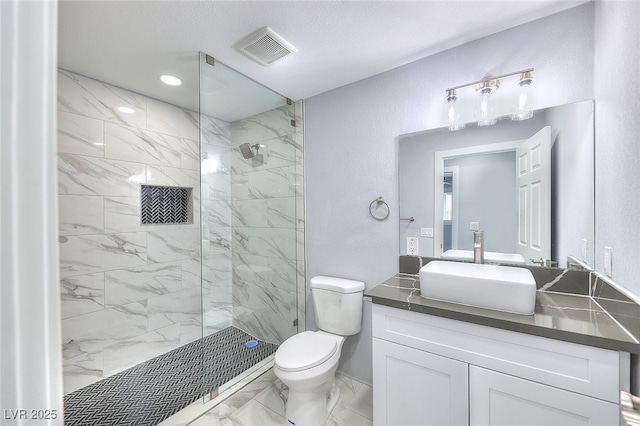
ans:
(126, 110)
(170, 80)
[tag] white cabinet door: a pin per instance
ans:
(499, 399)
(413, 387)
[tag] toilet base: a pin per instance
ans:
(332, 397)
(312, 407)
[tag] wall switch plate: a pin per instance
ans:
(426, 232)
(474, 226)
(608, 254)
(412, 246)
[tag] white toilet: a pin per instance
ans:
(307, 362)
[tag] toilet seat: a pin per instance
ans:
(305, 350)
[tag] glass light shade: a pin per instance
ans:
(521, 110)
(485, 111)
(453, 116)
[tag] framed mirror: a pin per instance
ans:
(527, 185)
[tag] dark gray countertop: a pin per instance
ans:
(567, 317)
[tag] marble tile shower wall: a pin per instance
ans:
(268, 224)
(216, 224)
(129, 291)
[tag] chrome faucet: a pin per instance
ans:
(478, 247)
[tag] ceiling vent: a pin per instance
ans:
(265, 46)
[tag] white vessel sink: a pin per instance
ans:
(503, 288)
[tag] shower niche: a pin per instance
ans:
(165, 205)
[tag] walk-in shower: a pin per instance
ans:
(176, 252)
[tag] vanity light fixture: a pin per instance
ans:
(170, 80)
(484, 112)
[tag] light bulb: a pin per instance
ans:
(453, 113)
(521, 109)
(486, 111)
(455, 122)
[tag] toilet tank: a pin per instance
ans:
(338, 304)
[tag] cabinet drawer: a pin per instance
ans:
(583, 369)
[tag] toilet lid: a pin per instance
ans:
(305, 350)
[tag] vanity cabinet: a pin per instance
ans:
(429, 370)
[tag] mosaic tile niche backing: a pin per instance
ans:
(162, 204)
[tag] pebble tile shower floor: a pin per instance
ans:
(152, 391)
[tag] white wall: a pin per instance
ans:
(30, 355)
(351, 143)
(617, 93)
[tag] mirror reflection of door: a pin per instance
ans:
(512, 209)
(485, 191)
(450, 208)
(534, 196)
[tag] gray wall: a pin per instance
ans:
(573, 179)
(617, 50)
(352, 132)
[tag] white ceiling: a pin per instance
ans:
(130, 43)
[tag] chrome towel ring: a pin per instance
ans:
(375, 209)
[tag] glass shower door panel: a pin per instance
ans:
(250, 154)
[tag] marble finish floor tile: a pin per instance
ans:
(347, 417)
(262, 402)
(362, 402)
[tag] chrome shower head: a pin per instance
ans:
(246, 151)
